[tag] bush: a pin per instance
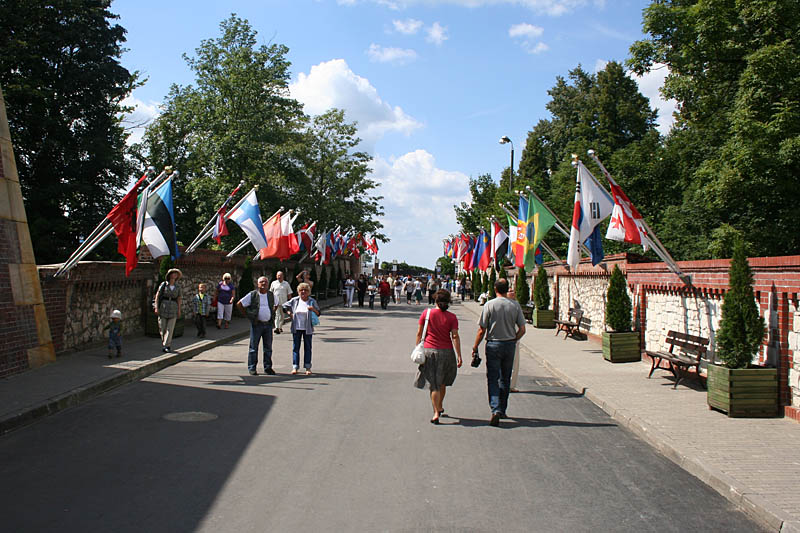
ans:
(521, 289)
(246, 281)
(492, 279)
(166, 264)
(541, 290)
(476, 285)
(741, 329)
(618, 303)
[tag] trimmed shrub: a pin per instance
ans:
(541, 290)
(521, 289)
(618, 303)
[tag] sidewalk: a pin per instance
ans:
(80, 376)
(755, 463)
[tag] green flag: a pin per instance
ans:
(540, 220)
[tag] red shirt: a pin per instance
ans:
(383, 288)
(440, 325)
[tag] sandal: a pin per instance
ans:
(294, 371)
(308, 372)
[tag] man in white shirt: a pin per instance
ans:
(282, 291)
(259, 306)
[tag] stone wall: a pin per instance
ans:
(79, 304)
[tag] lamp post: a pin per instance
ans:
(503, 140)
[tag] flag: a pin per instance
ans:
(373, 246)
(330, 252)
(539, 255)
(248, 216)
(626, 222)
(592, 205)
(499, 243)
(294, 240)
(220, 229)
(123, 218)
(272, 231)
(482, 257)
(158, 231)
(512, 240)
(463, 244)
(540, 220)
(468, 254)
(522, 232)
(321, 246)
(305, 237)
(287, 241)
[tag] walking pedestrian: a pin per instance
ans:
(433, 286)
(385, 292)
(442, 347)
(281, 292)
(259, 306)
(398, 289)
(372, 290)
(226, 295)
(361, 287)
(418, 291)
(201, 306)
(503, 324)
(409, 287)
(115, 333)
(462, 288)
(168, 307)
(349, 289)
(390, 281)
(301, 308)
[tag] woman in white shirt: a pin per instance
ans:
(301, 308)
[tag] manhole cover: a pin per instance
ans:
(191, 416)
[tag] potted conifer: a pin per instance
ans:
(476, 285)
(737, 387)
(523, 293)
(542, 316)
(492, 279)
(620, 345)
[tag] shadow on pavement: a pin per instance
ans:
(265, 380)
(513, 422)
(554, 393)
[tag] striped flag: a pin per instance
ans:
(158, 231)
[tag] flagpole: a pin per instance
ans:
(103, 230)
(247, 240)
(658, 248)
(209, 231)
(197, 241)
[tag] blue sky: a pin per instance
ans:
(433, 84)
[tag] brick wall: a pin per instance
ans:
(662, 302)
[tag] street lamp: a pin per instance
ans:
(503, 140)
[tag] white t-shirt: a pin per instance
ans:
(301, 315)
(264, 312)
(281, 290)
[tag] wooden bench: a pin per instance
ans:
(572, 325)
(692, 349)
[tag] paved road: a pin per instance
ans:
(347, 449)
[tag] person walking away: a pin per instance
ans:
(462, 288)
(390, 281)
(398, 289)
(371, 290)
(418, 291)
(115, 334)
(168, 307)
(385, 291)
(361, 287)
(226, 295)
(349, 289)
(503, 324)
(201, 307)
(300, 308)
(281, 292)
(409, 287)
(442, 347)
(433, 286)
(259, 306)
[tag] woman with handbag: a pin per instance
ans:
(438, 330)
(168, 307)
(304, 311)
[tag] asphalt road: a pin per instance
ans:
(349, 448)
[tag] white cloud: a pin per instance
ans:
(649, 85)
(333, 84)
(418, 201)
(553, 8)
(408, 26)
(599, 65)
(397, 56)
(437, 34)
(525, 30)
(527, 35)
(142, 115)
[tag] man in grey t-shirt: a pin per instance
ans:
(503, 324)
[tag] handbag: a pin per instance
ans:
(314, 319)
(418, 353)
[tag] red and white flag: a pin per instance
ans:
(626, 222)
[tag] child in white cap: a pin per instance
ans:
(115, 334)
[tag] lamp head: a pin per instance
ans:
(504, 139)
(590, 152)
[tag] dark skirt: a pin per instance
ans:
(440, 368)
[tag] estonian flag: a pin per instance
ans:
(159, 223)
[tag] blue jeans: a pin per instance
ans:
(499, 364)
(296, 337)
(260, 331)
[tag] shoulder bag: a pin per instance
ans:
(418, 354)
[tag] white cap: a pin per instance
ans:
(116, 314)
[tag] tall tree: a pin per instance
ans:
(63, 85)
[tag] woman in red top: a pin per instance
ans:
(442, 352)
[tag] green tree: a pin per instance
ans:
(541, 290)
(741, 328)
(618, 303)
(521, 289)
(492, 279)
(64, 85)
(472, 216)
(448, 266)
(246, 281)
(476, 285)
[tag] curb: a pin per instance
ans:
(753, 505)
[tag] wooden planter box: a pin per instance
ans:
(743, 392)
(544, 318)
(621, 347)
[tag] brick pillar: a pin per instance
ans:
(25, 331)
